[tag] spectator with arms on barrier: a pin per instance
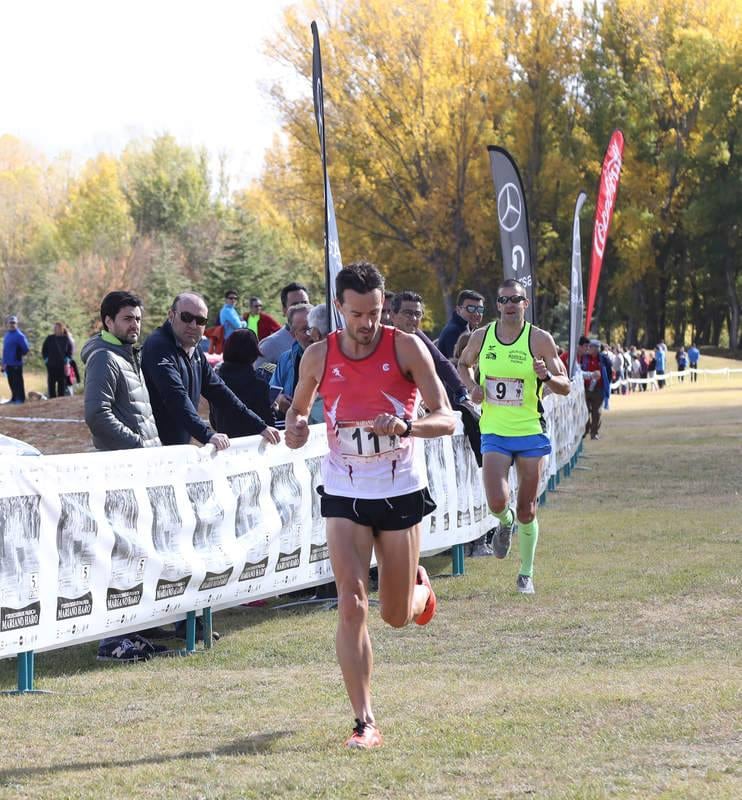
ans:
(515, 361)
(374, 494)
(178, 374)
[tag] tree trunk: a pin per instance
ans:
(734, 307)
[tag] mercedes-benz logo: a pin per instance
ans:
(509, 207)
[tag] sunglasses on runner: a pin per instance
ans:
(408, 312)
(515, 299)
(188, 318)
(472, 309)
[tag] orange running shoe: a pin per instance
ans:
(365, 736)
(424, 617)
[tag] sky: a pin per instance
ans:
(88, 76)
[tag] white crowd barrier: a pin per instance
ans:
(675, 375)
(97, 544)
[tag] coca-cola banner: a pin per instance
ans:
(512, 215)
(607, 191)
(333, 260)
(576, 301)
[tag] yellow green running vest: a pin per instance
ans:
(512, 391)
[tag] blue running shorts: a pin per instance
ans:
(534, 446)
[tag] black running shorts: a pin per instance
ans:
(387, 514)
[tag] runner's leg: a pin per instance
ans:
(401, 599)
(529, 474)
(495, 469)
(350, 547)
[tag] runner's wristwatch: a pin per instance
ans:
(408, 432)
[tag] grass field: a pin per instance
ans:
(619, 679)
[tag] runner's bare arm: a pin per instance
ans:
(415, 361)
(310, 374)
(467, 362)
(547, 362)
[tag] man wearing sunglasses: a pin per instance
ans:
(466, 318)
(178, 375)
(229, 318)
(515, 361)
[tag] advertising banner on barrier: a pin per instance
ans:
(94, 544)
(333, 260)
(102, 542)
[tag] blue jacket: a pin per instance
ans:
(230, 320)
(15, 346)
(176, 381)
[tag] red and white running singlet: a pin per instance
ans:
(354, 392)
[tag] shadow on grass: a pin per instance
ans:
(249, 746)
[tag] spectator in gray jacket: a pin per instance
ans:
(119, 415)
(117, 406)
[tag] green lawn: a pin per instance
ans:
(620, 678)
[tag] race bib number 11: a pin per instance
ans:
(504, 391)
(356, 441)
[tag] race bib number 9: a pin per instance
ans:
(504, 391)
(356, 441)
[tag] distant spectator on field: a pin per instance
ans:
(273, 346)
(693, 355)
(643, 368)
(467, 317)
(258, 321)
(15, 347)
(597, 386)
(178, 375)
(652, 373)
(660, 356)
(238, 374)
(229, 318)
(57, 354)
(681, 358)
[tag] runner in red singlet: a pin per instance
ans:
(374, 492)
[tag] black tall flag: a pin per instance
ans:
(513, 217)
(576, 300)
(333, 261)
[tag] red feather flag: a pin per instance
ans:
(607, 192)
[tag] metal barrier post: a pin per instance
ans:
(457, 557)
(191, 632)
(208, 630)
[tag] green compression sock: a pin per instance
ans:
(527, 538)
(505, 517)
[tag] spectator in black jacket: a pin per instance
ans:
(57, 352)
(178, 374)
(237, 371)
(407, 313)
(466, 318)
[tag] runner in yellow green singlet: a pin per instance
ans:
(515, 360)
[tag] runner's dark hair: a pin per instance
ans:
(361, 277)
